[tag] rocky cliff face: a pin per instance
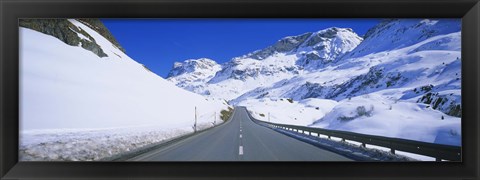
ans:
(72, 35)
(100, 28)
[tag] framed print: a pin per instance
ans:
(239, 89)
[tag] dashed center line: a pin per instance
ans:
(240, 136)
(240, 150)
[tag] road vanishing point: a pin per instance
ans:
(239, 139)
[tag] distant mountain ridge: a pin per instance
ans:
(336, 63)
(287, 58)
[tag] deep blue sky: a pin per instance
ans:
(158, 43)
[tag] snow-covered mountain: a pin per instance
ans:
(404, 68)
(312, 49)
(193, 73)
(81, 103)
(286, 59)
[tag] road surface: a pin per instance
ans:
(239, 139)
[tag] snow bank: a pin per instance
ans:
(93, 144)
(382, 113)
(288, 111)
(367, 114)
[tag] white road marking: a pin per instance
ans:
(240, 136)
(240, 130)
(240, 150)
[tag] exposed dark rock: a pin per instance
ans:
(284, 45)
(314, 90)
(65, 31)
(444, 103)
(99, 27)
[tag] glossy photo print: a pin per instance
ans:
(369, 90)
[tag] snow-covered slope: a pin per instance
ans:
(400, 33)
(381, 113)
(409, 69)
(288, 111)
(67, 89)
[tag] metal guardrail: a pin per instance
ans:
(438, 151)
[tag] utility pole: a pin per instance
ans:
(195, 125)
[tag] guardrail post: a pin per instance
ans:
(364, 145)
(329, 137)
(438, 159)
(392, 151)
(343, 139)
(309, 133)
(195, 125)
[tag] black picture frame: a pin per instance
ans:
(12, 10)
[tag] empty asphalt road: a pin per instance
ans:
(239, 139)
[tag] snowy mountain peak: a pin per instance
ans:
(177, 65)
(192, 74)
(332, 31)
(202, 65)
(317, 41)
(326, 46)
(284, 45)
